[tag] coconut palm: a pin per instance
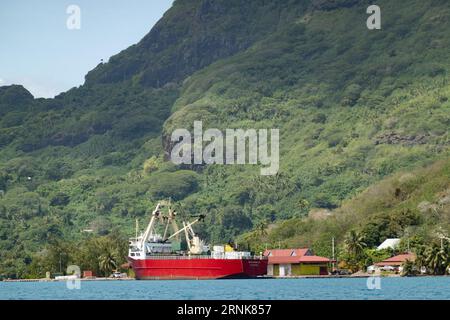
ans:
(421, 256)
(355, 244)
(436, 259)
(108, 261)
(408, 268)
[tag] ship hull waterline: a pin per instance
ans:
(198, 269)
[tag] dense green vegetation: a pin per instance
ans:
(353, 106)
(99, 254)
(413, 206)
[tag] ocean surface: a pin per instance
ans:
(262, 289)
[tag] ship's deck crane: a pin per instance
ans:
(151, 226)
(158, 216)
(195, 245)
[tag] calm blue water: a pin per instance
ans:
(345, 288)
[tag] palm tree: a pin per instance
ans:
(355, 249)
(436, 259)
(421, 256)
(408, 268)
(108, 262)
(355, 244)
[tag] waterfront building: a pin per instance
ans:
(395, 263)
(295, 262)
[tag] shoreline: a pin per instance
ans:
(278, 278)
(63, 280)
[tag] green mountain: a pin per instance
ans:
(352, 105)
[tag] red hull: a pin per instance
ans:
(198, 268)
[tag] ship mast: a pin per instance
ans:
(137, 229)
(150, 235)
(170, 220)
(148, 231)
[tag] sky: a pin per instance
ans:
(42, 48)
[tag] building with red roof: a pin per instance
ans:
(295, 262)
(397, 261)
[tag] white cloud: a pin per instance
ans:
(1, 81)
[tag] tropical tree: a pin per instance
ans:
(303, 204)
(421, 256)
(408, 268)
(110, 252)
(354, 245)
(437, 259)
(108, 262)
(261, 229)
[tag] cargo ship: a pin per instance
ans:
(156, 254)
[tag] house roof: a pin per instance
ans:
(283, 260)
(397, 260)
(292, 256)
(287, 252)
(314, 259)
(389, 243)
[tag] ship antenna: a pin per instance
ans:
(137, 228)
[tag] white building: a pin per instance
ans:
(389, 243)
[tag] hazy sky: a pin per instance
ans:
(39, 51)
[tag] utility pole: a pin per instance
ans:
(332, 251)
(407, 240)
(332, 246)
